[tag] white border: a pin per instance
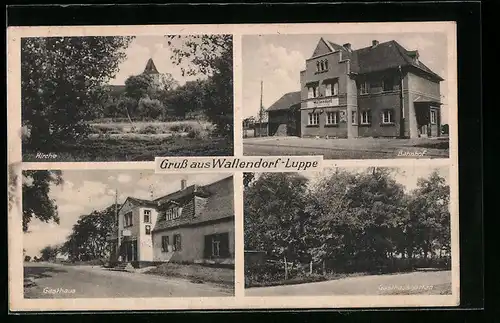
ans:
(18, 303)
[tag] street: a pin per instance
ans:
(49, 280)
(428, 283)
(358, 148)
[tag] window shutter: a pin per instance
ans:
(224, 245)
(208, 247)
(180, 242)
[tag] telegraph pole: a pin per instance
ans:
(261, 112)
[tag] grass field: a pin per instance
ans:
(140, 141)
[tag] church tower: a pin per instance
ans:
(152, 71)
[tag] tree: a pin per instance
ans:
(62, 85)
(190, 97)
(248, 178)
(87, 240)
(36, 201)
(429, 209)
(166, 83)
(137, 86)
(49, 253)
(27, 258)
(274, 215)
(149, 108)
(211, 55)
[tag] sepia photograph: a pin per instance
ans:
(346, 96)
(233, 166)
(117, 98)
(348, 231)
(112, 234)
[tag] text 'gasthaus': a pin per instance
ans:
(231, 164)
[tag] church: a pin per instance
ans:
(150, 70)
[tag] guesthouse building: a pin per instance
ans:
(192, 225)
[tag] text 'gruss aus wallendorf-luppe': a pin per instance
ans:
(231, 164)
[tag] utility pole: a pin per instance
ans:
(401, 105)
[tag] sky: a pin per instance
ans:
(278, 59)
(86, 190)
(406, 176)
(140, 50)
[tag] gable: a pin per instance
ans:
(126, 207)
(321, 49)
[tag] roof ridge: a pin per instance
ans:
(216, 182)
(367, 47)
(399, 48)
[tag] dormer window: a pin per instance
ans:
(172, 213)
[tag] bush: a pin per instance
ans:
(150, 129)
(197, 133)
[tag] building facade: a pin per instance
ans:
(378, 91)
(192, 225)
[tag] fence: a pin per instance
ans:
(255, 130)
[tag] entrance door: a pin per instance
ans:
(423, 131)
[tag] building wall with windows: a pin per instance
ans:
(382, 90)
(193, 244)
(145, 242)
(175, 227)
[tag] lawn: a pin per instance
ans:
(136, 149)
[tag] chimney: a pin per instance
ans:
(347, 46)
(414, 55)
(183, 184)
(374, 43)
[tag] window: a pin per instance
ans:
(388, 84)
(331, 88)
(217, 246)
(354, 118)
(433, 117)
(148, 229)
(328, 89)
(364, 88)
(177, 242)
(387, 116)
(147, 216)
(172, 213)
(317, 67)
(366, 117)
(332, 118)
(164, 243)
(127, 220)
(313, 119)
(326, 65)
